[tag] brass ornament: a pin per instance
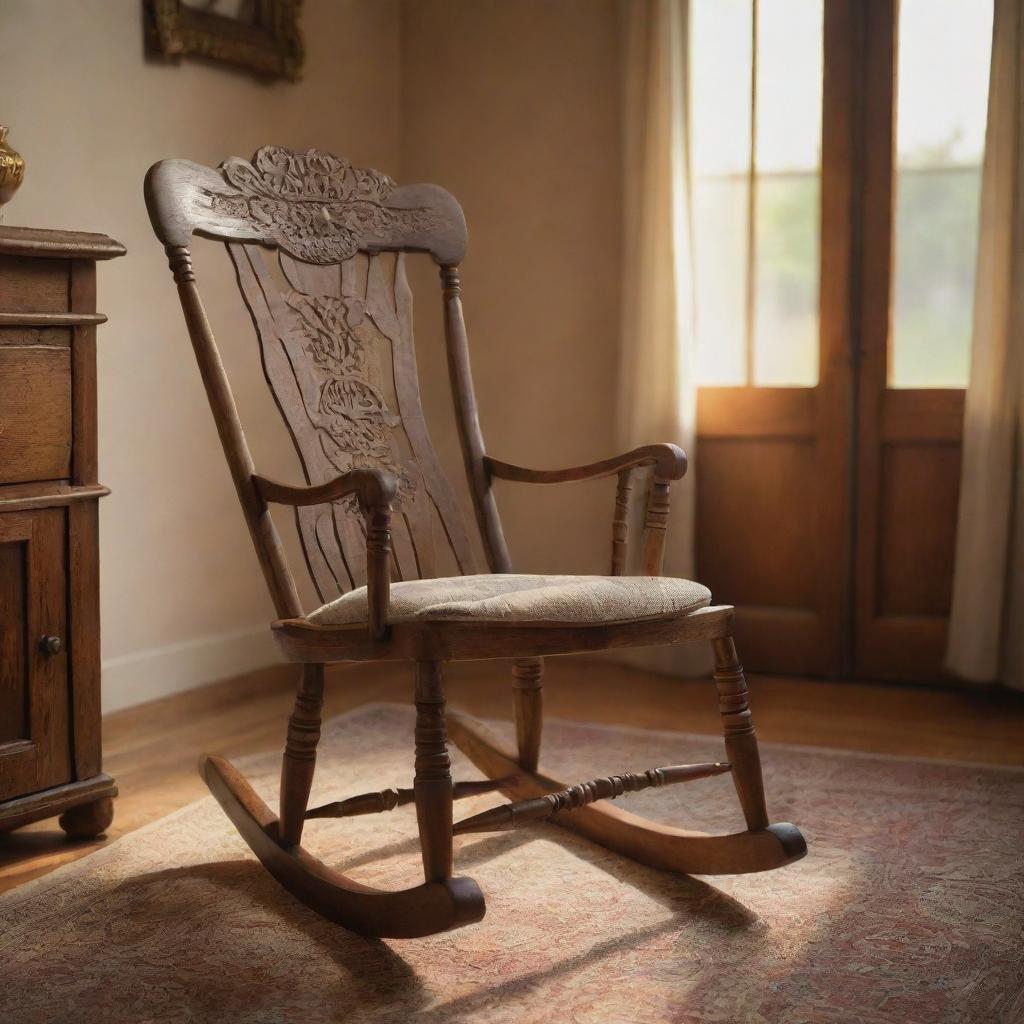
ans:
(12, 169)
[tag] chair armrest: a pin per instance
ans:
(668, 460)
(376, 489)
(373, 486)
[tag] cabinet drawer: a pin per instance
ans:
(30, 285)
(35, 404)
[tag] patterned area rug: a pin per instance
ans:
(908, 908)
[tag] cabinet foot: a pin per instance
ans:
(87, 821)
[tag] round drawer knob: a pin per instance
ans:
(51, 645)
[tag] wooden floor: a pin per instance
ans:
(152, 750)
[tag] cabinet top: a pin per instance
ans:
(48, 243)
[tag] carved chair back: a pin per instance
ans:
(334, 322)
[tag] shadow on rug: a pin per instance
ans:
(907, 909)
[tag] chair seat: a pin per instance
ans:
(581, 600)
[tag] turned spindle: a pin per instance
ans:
(378, 567)
(655, 525)
(620, 522)
(529, 812)
(389, 799)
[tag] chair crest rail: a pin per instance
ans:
(313, 205)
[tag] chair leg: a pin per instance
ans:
(740, 739)
(299, 760)
(528, 695)
(433, 781)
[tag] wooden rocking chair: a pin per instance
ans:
(334, 320)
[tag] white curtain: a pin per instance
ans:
(986, 636)
(657, 390)
(656, 398)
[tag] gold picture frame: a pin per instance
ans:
(265, 41)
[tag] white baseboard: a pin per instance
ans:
(160, 671)
(147, 675)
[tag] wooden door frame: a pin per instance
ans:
(844, 155)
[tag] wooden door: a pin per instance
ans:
(34, 700)
(827, 507)
(773, 448)
(926, 85)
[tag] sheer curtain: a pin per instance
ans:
(657, 389)
(986, 637)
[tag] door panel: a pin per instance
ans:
(777, 476)
(34, 705)
(767, 533)
(917, 517)
(909, 493)
(13, 676)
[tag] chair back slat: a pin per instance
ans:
(338, 354)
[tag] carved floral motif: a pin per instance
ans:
(343, 403)
(314, 205)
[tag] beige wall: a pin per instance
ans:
(183, 600)
(511, 104)
(514, 107)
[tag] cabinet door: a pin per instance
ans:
(34, 699)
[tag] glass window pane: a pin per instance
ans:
(720, 46)
(790, 56)
(936, 245)
(786, 292)
(781, 323)
(720, 238)
(790, 41)
(943, 65)
(720, 70)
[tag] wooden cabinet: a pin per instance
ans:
(50, 761)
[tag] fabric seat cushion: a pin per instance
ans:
(517, 598)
